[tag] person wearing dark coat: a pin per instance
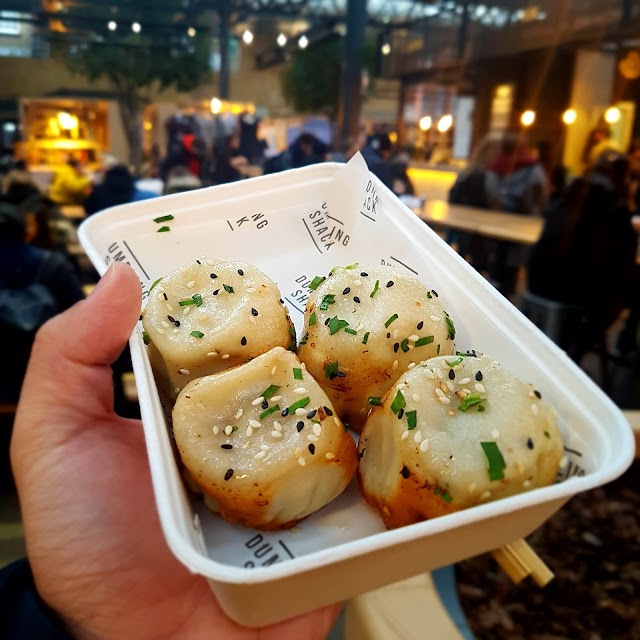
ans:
(118, 187)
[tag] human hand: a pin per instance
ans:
(93, 536)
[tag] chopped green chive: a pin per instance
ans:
(330, 298)
(455, 363)
(228, 288)
(355, 265)
(269, 411)
(146, 339)
(331, 369)
(412, 419)
(471, 400)
(297, 373)
(163, 229)
(443, 493)
(155, 282)
(429, 295)
(420, 342)
(305, 337)
(353, 332)
(335, 324)
(316, 282)
(269, 391)
(312, 319)
(375, 289)
(481, 408)
(375, 401)
(365, 339)
(292, 331)
(195, 299)
(398, 402)
(450, 326)
(390, 320)
(163, 218)
(197, 334)
(497, 464)
(404, 345)
(299, 404)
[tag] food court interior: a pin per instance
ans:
(511, 128)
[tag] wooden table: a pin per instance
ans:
(484, 222)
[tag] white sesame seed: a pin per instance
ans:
(438, 373)
(298, 452)
(526, 484)
(300, 391)
(161, 296)
(184, 372)
(563, 462)
(435, 318)
(400, 386)
(417, 437)
(216, 431)
(450, 386)
(165, 324)
(257, 401)
(277, 426)
(274, 369)
(212, 354)
(486, 495)
(531, 394)
(239, 413)
(394, 366)
(301, 461)
(357, 282)
(264, 447)
(464, 381)
(457, 367)
(175, 331)
(395, 333)
(465, 392)
(424, 445)
(301, 412)
(451, 412)
(329, 455)
(275, 398)
(411, 365)
(495, 434)
(191, 284)
(336, 420)
(405, 435)
(520, 467)
(360, 327)
(276, 434)
(226, 356)
(429, 373)
(317, 429)
(459, 394)
(472, 487)
(439, 392)
(534, 409)
(169, 307)
(413, 337)
(444, 400)
(249, 432)
(228, 430)
(416, 397)
(312, 438)
(255, 424)
(260, 455)
(479, 387)
(251, 290)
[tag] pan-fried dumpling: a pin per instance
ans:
(363, 328)
(263, 442)
(208, 316)
(453, 433)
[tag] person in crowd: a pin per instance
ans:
(98, 564)
(586, 254)
(228, 161)
(600, 139)
(305, 150)
(401, 183)
(180, 179)
(117, 187)
(634, 176)
(377, 154)
(515, 183)
(70, 184)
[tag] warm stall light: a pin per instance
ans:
(216, 105)
(281, 40)
(569, 116)
(191, 32)
(385, 49)
(528, 118)
(147, 125)
(393, 137)
(111, 25)
(612, 115)
(135, 27)
(425, 123)
(445, 123)
(66, 121)
(303, 42)
(247, 37)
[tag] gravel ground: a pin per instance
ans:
(593, 546)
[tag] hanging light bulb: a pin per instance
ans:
(191, 32)
(247, 37)
(612, 115)
(385, 49)
(135, 27)
(569, 116)
(111, 25)
(527, 118)
(303, 42)
(281, 40)
(425, 123)
(445, 123)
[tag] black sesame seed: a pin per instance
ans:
(171, 318)
(356, 299)
(177, 323)
(243, 342)
(435, 293)
(198, 261)
(479, 376)
(400, 414)
(285, 412)
(240, 272)
(361, 454)
(420, 325)
(390, 284)
(140, 318)
(405, 472)
(328, 411)
(254, 312)
(388, 335)
(281, 301)
(341, 374)
(345, 291)
(165, 296)
(537, 394)
(264, 404)
(326, 322)
(213, 276)
(229, 474)
(312, 448)
(364, 274)
(332, 376)
(300, 426)
(529, 443)
(226, 446)
(216, 292)
(312, 413)
(452, 374)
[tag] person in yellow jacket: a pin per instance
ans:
(70, 185)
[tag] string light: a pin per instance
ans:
(386, 49)
(528, 118)
(303, 42)
(569, 116)
(216, 105)
(191, 32)
(425, 123)
(445, 123)
(135, 27)
(281, 40)
(247, 36)
(612, 115)
(111, 25)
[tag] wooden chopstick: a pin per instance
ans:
(518, 560)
